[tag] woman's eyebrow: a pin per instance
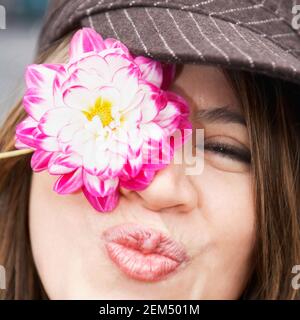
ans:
(220, 114)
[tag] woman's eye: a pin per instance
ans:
(229, 151)
(225, 156)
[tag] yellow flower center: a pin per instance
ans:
(102, 109)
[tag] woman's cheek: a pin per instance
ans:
(58, 233)
(227, 206)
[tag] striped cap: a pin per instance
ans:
(252, 35)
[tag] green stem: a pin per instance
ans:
(14, 153)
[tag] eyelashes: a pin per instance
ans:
(229, 151)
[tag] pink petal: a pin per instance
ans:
(116, 164)
(20, 145)
(24, 133)
(156, 155)
(135, 140)
(151, 70)
(102, 204)
(151, 153)
(179, 101)
(185, 124)
(45, 143)
(155, 167)
(152, 131)
(99, 187)
(164, 119)
(140, 182)
(161, 99)
(168, 119)
(36, 103)
(27, 123)
(169, 127)
(133, 166)
(61, 163)
(69, 183)
(111, 43)
(85, 40)
(167, 115)
(42, 75)
(149, 110)
(40, 160)
(152, 104)
(154, 100)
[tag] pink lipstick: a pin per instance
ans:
(143, 253)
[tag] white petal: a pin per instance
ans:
(93, 161)
(127, 84)
(151, 70)
(110, 94)
(152, 131)
(116, 61)
(78, 97)
(94, 63)
(85, 78)
(118, 147)
(115, 165)
(55, 119)
(67, 132)
(135, 140)
(167, 115)
(131, 118)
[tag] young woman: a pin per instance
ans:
(237, 222)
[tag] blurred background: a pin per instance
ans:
(17, 47)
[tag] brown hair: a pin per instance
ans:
(273, 119)
(272, 116)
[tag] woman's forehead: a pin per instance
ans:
(205, 86)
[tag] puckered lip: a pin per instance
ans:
(146, 240)
(143, 253)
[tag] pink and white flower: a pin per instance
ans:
(92, 121)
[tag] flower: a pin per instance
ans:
(94, 120)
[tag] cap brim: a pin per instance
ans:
(178, 36)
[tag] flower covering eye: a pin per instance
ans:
(93, 120)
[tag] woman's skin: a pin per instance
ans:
(211, 214)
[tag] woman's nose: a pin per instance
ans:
(171, 188)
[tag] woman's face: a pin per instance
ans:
(211, 214)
